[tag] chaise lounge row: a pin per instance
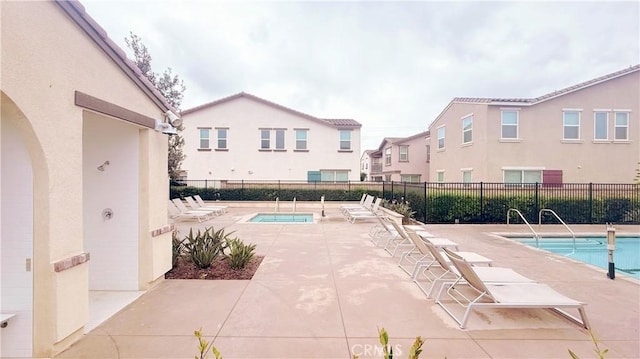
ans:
(198, 210)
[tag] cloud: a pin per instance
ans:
(393, 66)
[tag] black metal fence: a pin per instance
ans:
(478, 202)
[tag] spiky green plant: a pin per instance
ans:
(204, 347)
(204, 247)
(177, 246)
(240, 253)
(601, 353)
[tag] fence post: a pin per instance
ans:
(424, 220)
(404, 191)
(242, 190)
(590, 202)
(481, 203)
(537, 200)
(206, 185)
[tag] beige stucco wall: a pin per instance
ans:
(540, 143)
(417, 164)
(243, 161)
(45, 59)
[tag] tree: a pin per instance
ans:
(171, 87)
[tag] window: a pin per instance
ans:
(467, 129)
(571, 124)
(509, 124)
(301, 139)
(204, 138)
(441, 138)
(387, 156)
(334, 176)
(222, 138)
(428, 153)
(345, 140)
(279, 139)
(522, 176)
(440, 176)
(621, 126)
(410, 178)
(466, 176)
(265, 139)
(404, 154)
(600, 125)
(387, 178)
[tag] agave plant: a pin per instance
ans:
(204, 247)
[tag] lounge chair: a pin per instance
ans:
(203, 204)
(366, 206)
(183, 208)
(444, 271)
(404, 241)
(505, 295)
(218, 211)
(419, 256)
(346, 207)
(352, 216)
(176, 213)
(383, 231)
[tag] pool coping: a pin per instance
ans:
(247, 218)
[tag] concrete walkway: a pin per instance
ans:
(324, 289)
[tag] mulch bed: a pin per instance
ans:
(220, 269)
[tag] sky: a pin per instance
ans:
(392, 66)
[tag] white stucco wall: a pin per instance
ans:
(244, 118)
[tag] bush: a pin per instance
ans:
(240, 253)
(178, 248)
(204, 247)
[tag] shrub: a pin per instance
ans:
(178, 248)
(204, 247)
(240, 253)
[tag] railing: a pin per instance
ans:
(573, 235)
(535, 235)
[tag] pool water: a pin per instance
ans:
(593, 250)
(282, 218)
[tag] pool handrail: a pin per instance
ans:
(535, 235)
(573, 235)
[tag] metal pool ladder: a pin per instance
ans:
(535, 235)
(573, 235)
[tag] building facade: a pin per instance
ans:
(244, 137)
(589, 132)
(83, 175)
(401, 159)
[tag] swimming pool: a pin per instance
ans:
(593, 250)
(282, 218)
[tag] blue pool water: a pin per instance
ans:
(282, 218)
(593, 250)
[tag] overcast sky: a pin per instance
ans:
(392, 66)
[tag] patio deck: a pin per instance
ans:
(323, 290)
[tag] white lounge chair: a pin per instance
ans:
(419, 255)
(346, 207)
(382, 231)
(218, 211)
(183, 208)
(505, 295)
(444, 271)
(366, 206)
(352, 216)
(404, 241)
(203, 204)
(176, 213)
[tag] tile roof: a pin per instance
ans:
(342, 123)
(550, 95)
(76, 11)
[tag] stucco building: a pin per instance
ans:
(84, 180)
(401, 159)
(588, 132)
(244, 137)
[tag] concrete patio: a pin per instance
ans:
(323, 290)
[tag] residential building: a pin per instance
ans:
(244, 137)
(588, 132)
(83, 175)
(365, 164)
(401, 159)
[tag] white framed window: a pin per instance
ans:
(301, 139)
(571, 125)
(334, 176)
(279, 139)
(467, 129)
(428, 153)
(387, 156)
(221, 133)
(466, 175)
(600, 125)
(621, 126)
(403, 152)
(440, 176)
(410, 178)
(265, 139)
(519, 176)
(441, 135)
(345, 139)
(509, 124)
(204, 137)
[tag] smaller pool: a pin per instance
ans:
(282, 218)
